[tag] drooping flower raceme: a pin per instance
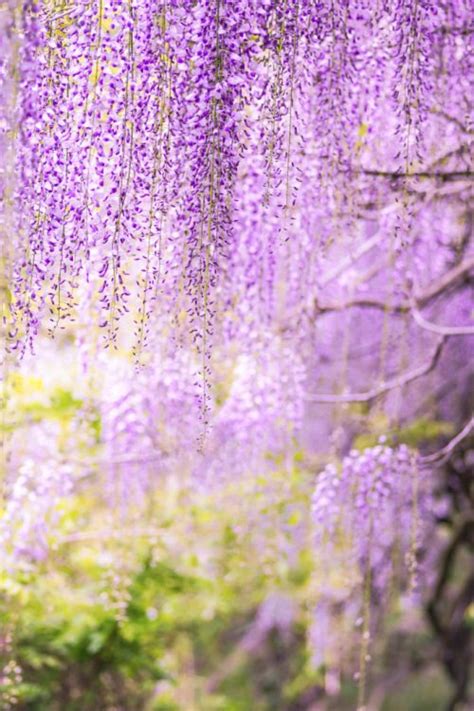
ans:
(172, 153)
(31, 511)
(370, 523)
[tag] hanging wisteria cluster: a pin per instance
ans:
(371, 521)
(169, 152)
(31, 512)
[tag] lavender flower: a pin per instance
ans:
(371, 518)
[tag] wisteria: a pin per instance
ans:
(237, 332)
(31, 512)
(372, 520)
(140, 122)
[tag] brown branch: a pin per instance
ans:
(383, 388)
(421, 299)
(456, 30)
(445, 570)
(435, 175)
(447, 386)
(453, 631)
(452, 119)
(442, 455)
(362, 302)
(449, 278)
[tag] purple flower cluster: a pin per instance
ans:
(276, 612)
(374, 502)
(32, 508)
(371, 519)
(416, 23)
(194, 158)
(151, 425)
(260, 417)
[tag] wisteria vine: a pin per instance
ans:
(249, 199)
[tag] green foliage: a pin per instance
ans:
(428, 693)
(414, 434)
(68, 644)
(424, 430)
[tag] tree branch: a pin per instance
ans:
(383, 388)
(441, 330)
(421, 299)
(449, 278)
(442, 455)
(435, 174)
(452, 119)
